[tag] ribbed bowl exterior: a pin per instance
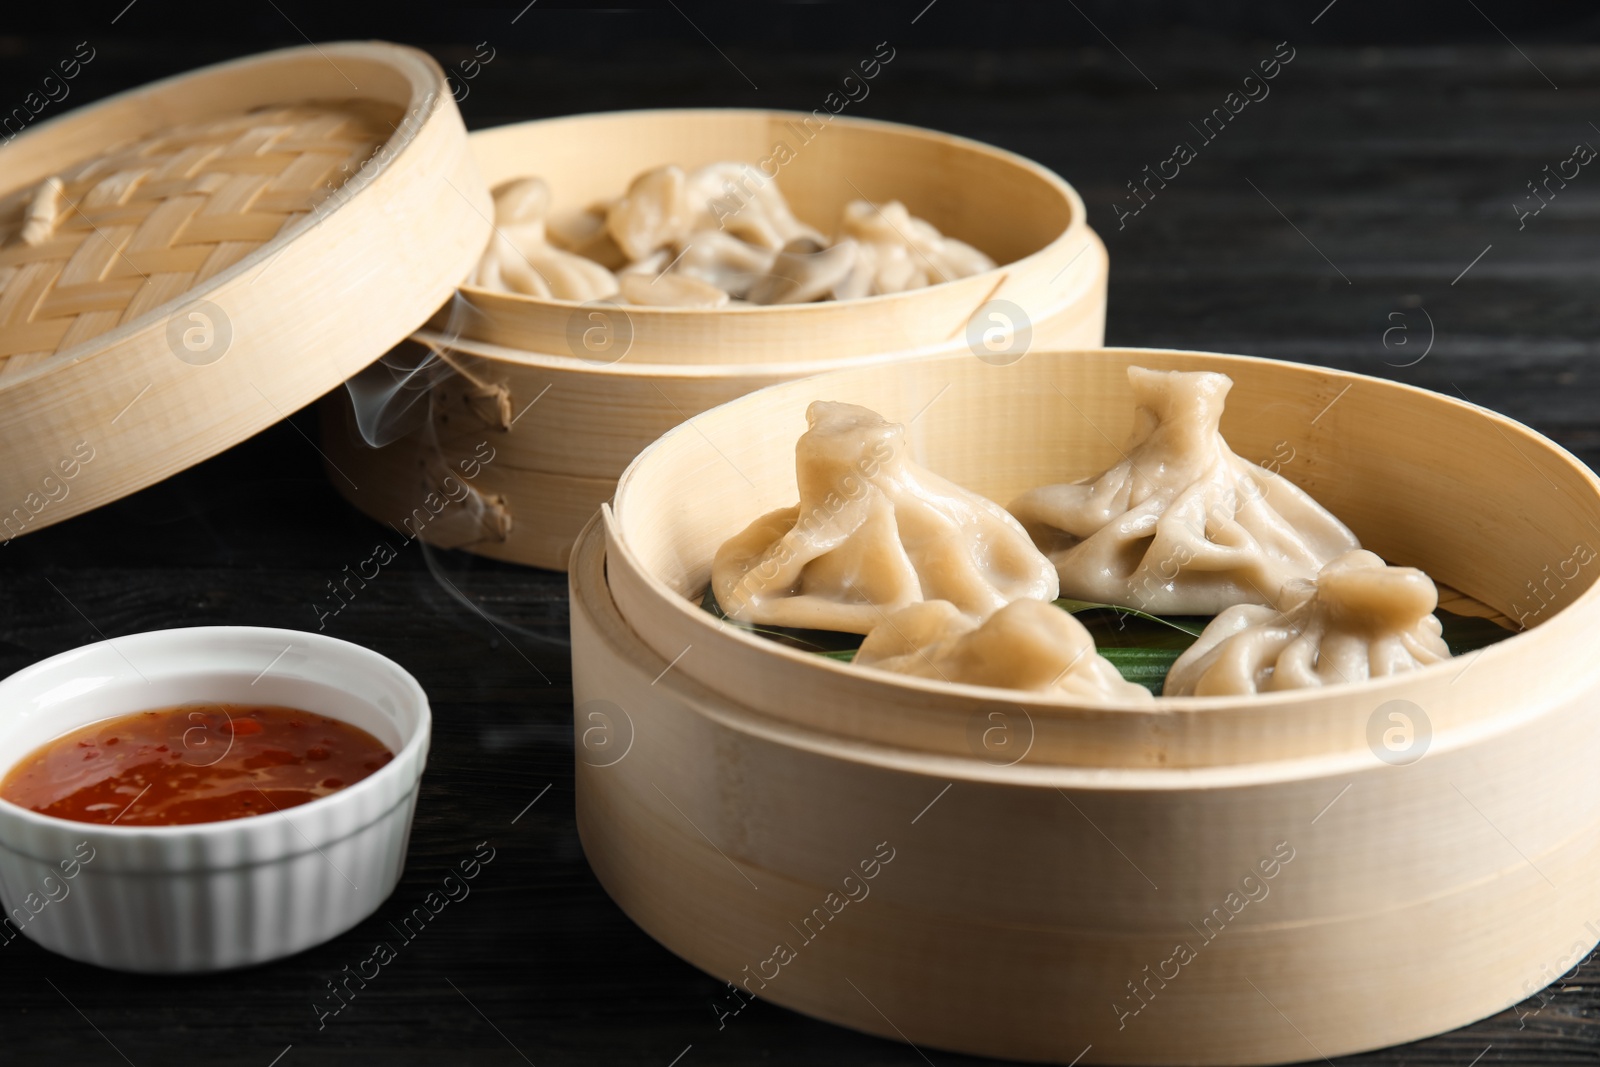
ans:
(213, 896)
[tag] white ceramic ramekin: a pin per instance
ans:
(209, 896)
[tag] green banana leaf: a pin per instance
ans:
(1140, 645)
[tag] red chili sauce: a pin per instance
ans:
(191, 764)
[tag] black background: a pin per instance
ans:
(1389, 155)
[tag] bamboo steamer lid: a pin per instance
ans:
(187, 263)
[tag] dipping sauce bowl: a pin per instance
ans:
(209, 896)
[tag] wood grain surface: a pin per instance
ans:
(1339, 207)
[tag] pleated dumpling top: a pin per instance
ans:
(873, 532)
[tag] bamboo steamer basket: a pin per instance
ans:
(657, 367)
(1048, 858)
(186, 263)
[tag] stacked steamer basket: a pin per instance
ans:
(186, 263)
(1194, 881)
(604, 381)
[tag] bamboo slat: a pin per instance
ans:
(186, 263)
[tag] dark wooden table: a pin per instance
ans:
(1368, 201)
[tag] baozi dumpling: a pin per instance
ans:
(1359, 619)
(873, 533)
(1028, 644)
(899, 251)
(1182, 525)
(521, 259)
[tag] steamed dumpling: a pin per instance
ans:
(723, 226)
(653, 213)
(804, 271)
(668, 205)
(584, 233)
(873, 533)
(1027, 644)
(649, 284)
(741, 200)
(521, 259)
(1359, 619)
(898, 251)
(722, 260)
(1182, 525)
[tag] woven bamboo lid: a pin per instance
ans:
(187, 263)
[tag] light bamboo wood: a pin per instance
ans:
(595, 418)
(1026, 897)
(1023, 215)
(1009, 926)
(124, 231)
(262, 195)
(505, 512)
(563, 431)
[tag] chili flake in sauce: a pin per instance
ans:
(192, 764)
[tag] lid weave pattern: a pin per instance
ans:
(146, 221)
